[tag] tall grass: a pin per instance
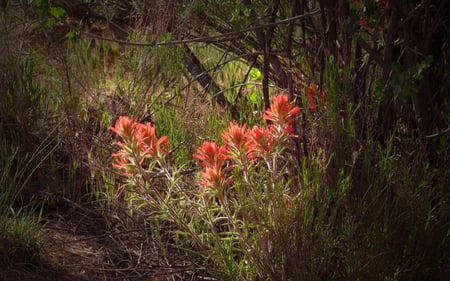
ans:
(372, 208)
(27, 144)
(20, 236)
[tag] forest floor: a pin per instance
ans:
(80, 245)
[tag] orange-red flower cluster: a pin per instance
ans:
(281, 112)
(124, 127)
(242, 146)
(148, 143)
(313, 96)
(261, 140)
(211, 154)
(139, 142)
(215, 174)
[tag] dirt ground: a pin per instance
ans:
(80, 245)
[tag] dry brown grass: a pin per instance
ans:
(81, 245)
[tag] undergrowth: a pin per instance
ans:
(327, 203)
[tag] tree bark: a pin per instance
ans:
(196, 69)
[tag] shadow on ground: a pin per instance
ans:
(80, 245)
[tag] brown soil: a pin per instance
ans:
(80, 245)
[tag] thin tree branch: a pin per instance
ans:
(205, 39)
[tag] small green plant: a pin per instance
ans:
(20, 238)
(49, 14)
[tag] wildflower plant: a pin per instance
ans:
(313, 96)
(241, 208)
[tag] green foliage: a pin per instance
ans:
(172, 122)
(241, 15)
(49, 14)
(255, 74)
(20, 236)
(240, 83)
(404, 82)
(391, 209)
(22, 99)
(252, 108)
(333, 88)
(10, 178)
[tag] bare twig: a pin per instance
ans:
(206, 39)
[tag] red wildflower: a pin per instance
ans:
(363, 22)
(149, 144)
(281, 110)
(236, 135)
(124, 127)
(139, 143)
(122, 162)
(288, 201)
(312, 96)
(261, 141)
(210, 177)
(281, 113)
(237, 142)
(211, 154)
(215, 179)
(214, 175)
